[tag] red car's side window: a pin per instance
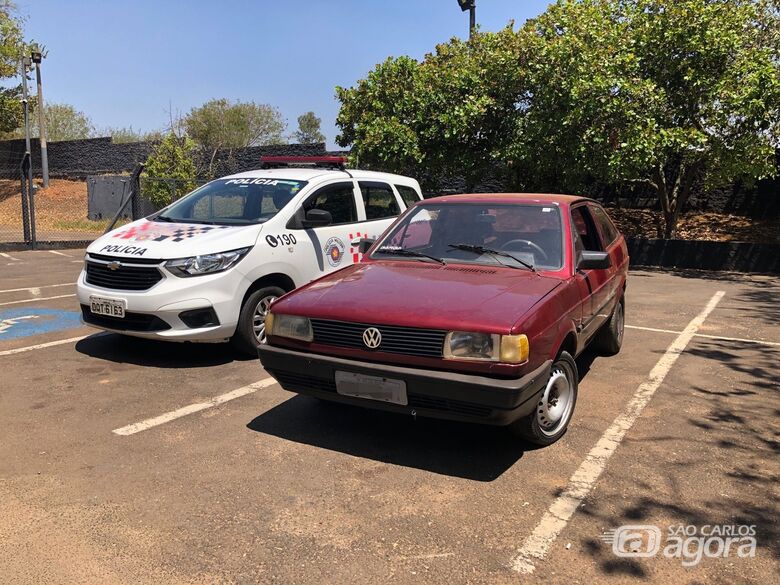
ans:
(585, 229)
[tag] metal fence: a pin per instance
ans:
(75, 212)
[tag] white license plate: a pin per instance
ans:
(107, 307)
(371, 387)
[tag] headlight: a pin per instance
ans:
(291, 326)
(465, 345)
(207, 263)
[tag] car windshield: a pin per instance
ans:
(233, 201)
(521, 236)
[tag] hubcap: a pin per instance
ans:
(554, 408)
(619, 318)
(258, 319)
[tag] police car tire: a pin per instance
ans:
(244, 339)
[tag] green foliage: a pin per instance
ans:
(12, 47)
(170, 169)
(125, 134)
(669, 93)
(452, 113)
(308, 131)
(222, 124)
(63, 122)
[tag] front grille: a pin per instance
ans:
(302, 382)
(131, 322)
(123, 278)
(403, 340)
(446, 404)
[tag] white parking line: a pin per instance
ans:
(9, 257)
(60, 253)
(42, 345)
(562, 509)
(38, 288)
(721, 337)
(36, 299)
(192, 408)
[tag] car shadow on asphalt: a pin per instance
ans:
(158, 354)
(469, 451)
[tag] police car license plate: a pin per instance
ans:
(371, 387)
(107, 307)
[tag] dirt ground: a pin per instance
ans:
(271, 487)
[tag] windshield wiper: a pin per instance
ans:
(408, 254)
(482, 250)
(163, 218)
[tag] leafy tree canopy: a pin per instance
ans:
(308, 131)
(124, 134)
(220, 123)
(12, 47)
(671, 93)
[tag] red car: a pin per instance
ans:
(469, 307)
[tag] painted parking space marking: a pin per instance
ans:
(36, 299)
(584, 478)
(38, 288)
(149, 423)
(60, 253)
(8, 257)
(707, 336)
(42, 345)
(15, 323)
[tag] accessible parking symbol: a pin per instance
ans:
(15, 323)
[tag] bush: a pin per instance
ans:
(170, 169)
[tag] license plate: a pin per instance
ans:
(371, 387)
(107, 307)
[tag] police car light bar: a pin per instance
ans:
(338, 162)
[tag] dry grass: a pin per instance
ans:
(695, 225)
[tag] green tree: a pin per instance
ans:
(124, 134)
(308, 131)
(12, 47)
(63, 122)
(452, 113)
(668, 93)
(170, 169)
(220, 124)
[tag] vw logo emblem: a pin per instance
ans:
(114, 265)
(372, 337)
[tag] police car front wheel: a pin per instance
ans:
(250, 332)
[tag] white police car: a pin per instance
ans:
(207, 267)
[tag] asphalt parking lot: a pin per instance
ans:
(130, 461)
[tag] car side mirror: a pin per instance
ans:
(363, 244)
(317, 218)
(594, 261)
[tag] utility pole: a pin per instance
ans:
(37, 57)
(28, 202)
(471, 6)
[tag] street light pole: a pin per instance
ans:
(26, 168)
(471, 6)
(37, 57)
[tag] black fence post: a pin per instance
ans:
(23, 169)
(134, 183)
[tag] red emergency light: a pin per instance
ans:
(338, 162)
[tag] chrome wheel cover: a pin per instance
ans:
(554, 409)
(258, 317)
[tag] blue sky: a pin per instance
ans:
(129, 62)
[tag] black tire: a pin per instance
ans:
(542, 427)
(609, 339)
(246, 338)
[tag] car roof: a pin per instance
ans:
(310, 174)
(553, 198)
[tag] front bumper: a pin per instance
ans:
(430, 393)
(162, 305)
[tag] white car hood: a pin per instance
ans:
(164, 241)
